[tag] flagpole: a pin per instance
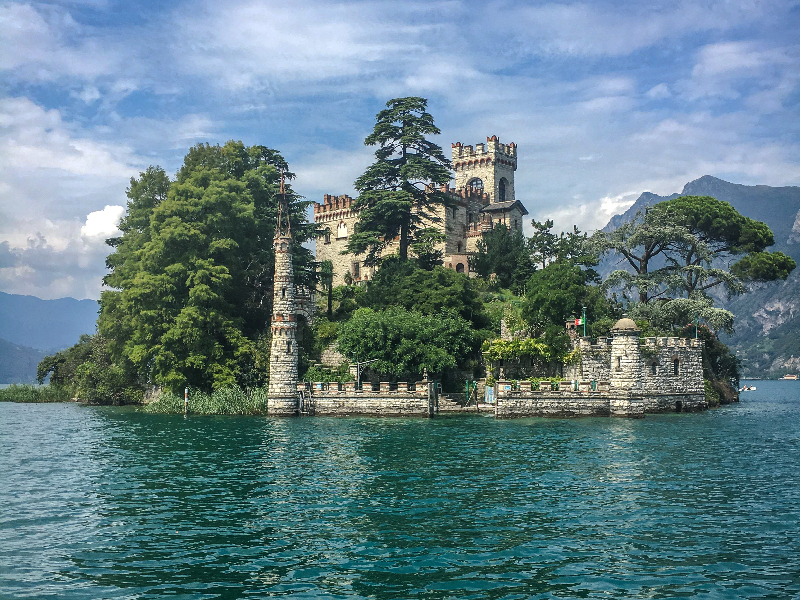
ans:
(584, 321)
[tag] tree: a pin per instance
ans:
(405, 284)
(405, 342)
(192, 273)
(505, 253)
(399, 193)
(559, 292)
(719, 231)
(543, 243)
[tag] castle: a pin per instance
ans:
(620, 376)
(483, 197)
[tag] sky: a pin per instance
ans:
(605, 100)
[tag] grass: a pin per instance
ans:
(35, 393)
(224, 401)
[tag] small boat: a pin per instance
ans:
(788, 377)
(747, 388)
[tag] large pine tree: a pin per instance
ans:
(398, 193)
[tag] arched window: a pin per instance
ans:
(341, 231)
(460, 268)
(327, 237)
(654, 368)
(476, 186)
(502, 191)
(676, 366)
(458, 247)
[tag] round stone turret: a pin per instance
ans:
(626, 326)
(626, 367)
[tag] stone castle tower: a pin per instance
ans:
(486, 168)
(282, 394)
(483, 197)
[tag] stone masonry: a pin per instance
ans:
(483, 197)
(282, 397)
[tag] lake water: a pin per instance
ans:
(111, 503)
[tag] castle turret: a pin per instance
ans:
(282, 394)
(626, 354)
(486, 168)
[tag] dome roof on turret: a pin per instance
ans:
(625, 324)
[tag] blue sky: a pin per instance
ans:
(605, 100)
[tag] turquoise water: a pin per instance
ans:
(110, 503)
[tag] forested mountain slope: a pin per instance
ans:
(767, 335)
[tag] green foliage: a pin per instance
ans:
(506, 254)
(230, 400)
(764, 266)
(559, 292)
(667, 314)
(61, 366)
(319, 373)
(498, 349)
(33, 393)
(406, 342)
(712, 395)
(399, 191)
(425, 248)
(193, 271)
(405, 284)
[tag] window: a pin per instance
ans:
(356, 270)
(676, 366)
(455, 212)
(476, 186)
(341, 231)
(502, 191)
(327, 237)
(283, 292)
(654, 369)
(460, 268)
(458, 248)
(619, 363)
(288, 346)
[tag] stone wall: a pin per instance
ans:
(660, 374)
(400, 399)
(490, 162)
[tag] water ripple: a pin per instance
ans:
(113, 503)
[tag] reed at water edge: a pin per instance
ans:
(224, 401)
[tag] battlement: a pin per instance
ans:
(671, 342)
(331, 203)
(491, 147)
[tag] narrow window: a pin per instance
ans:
(327, 237)
(356, 270)
(283, 292)
(502, 190)
(654, 368)
(288, 346)
(455, 212)
(675, 366)
(619, 363)
(459, 247)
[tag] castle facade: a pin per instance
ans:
(483, 197)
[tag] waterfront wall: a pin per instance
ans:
(589, 400)
(386, 400)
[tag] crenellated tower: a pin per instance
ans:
(282, 394)
(486, 168)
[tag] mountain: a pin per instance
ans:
(18, 363)
(48, 325)
(767, 336)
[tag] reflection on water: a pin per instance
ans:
(112, 503)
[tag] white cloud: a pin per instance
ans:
(659, 92)
(102, 223)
